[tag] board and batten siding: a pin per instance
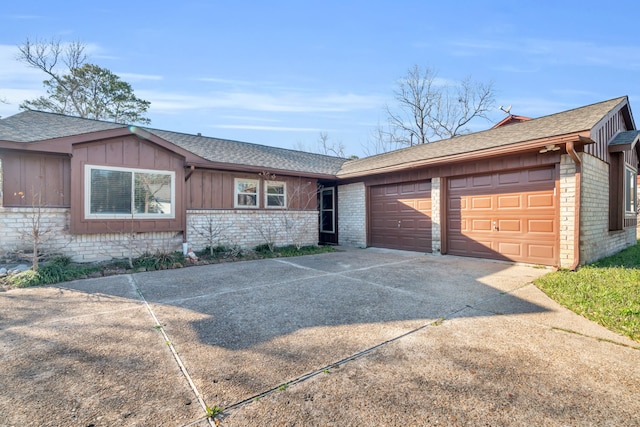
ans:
(31, 179)
(128, 151)
(212, 189)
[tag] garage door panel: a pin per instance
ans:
(541, 252)
(480, 225)
(541, 175)
(541, 200)
(509, 201)
(508, 215)
(458, 183)
(542, 226)
(512, 225)
(510, 249)
(481, 202)
(407, 205)
(481, 181)
(508, 178)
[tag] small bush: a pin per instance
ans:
(264, 248)
(24, 279)
(158, 261)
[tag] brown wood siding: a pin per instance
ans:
(602, 134)
(616, 191)
(30, 179)
(128, 151)
(400, 216)
(504, 215)
(207, 189)
(519, 161)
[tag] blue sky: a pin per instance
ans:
(280, 72)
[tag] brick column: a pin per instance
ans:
(436, 243)
(352, 215)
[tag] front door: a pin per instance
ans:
(327, 202)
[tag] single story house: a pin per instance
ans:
(559, 190)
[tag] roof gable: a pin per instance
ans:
(31, 127)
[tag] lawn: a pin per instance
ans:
(607, 291)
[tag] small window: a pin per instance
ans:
(630, 192)
(246, 193)
(275, 194)
(112, 192)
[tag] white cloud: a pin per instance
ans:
(556, 51)
(280, 102)
(134, 77)
(267, 128)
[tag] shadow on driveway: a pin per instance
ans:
(239, 329)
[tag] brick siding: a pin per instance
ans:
(248, 228)
(240, 228)
(352, 215)
(596, 241)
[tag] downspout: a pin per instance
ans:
(576, 227)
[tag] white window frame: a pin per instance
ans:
(630, 191)
(87, 194)
(282, 184)
(237, 193)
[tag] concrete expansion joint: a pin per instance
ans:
(176, 356)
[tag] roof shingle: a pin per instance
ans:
(576, 120)
(34, 126)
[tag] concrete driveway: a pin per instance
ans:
(355, 337)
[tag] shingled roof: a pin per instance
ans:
(34, 126)
(567, 122)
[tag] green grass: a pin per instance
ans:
(607, 291)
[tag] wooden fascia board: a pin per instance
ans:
(581, 138)
(624, 147)
(255, 169)
(626, 113)
(65, 145)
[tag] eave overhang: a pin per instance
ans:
(579, 139)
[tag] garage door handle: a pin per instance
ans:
(399, 224)
(495, 226)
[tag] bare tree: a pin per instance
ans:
(77, 88)
(330, 148)
(429, 110)
(323, 146)
(382, 140)
(211, 230)
(36, 231)
(290, 223)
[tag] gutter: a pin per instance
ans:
(515, 148)
(576, 227)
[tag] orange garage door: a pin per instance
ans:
(400, 216)
(508, 215)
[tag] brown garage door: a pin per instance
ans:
(508, 215)
(400, 216)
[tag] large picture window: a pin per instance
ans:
(112, 192)
(630, 192)
(275, 194)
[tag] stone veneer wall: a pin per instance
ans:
(596, 241)
(54, 223)
(352, 215)
(249, 228)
